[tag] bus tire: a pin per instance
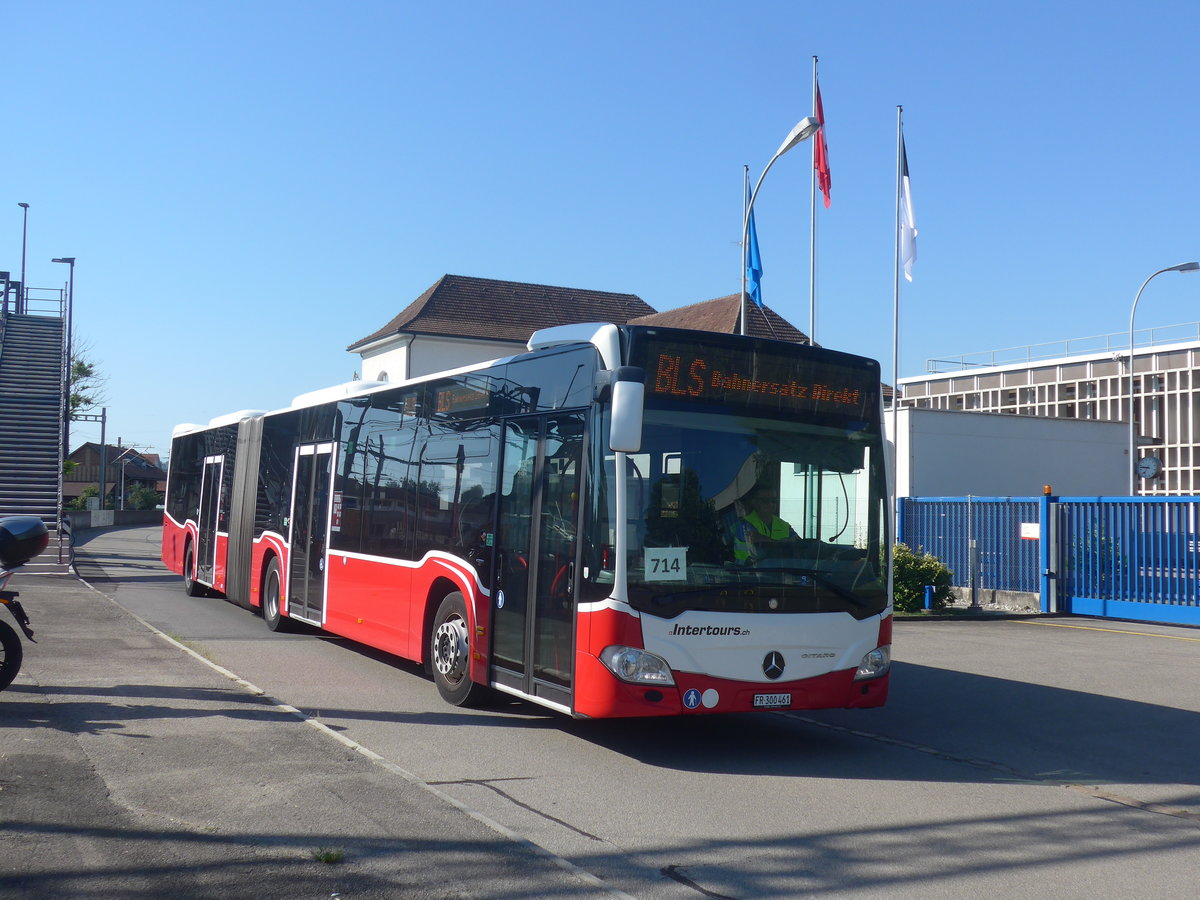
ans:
(191, 587)
(450, 654)
(271, 611)
(11, 653)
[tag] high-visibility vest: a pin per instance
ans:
(749, 525)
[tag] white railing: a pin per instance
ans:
(1103, 343)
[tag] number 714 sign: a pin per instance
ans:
(666, 564)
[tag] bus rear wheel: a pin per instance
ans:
(450, 654)
(270, 598)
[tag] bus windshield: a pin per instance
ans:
(750, 514)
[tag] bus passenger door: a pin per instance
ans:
(533, 592)
(210, 516)
(309, 532)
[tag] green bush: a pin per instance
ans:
(911, 572)
(142, 497)
(80, 502)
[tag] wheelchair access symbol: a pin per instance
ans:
(691, 698)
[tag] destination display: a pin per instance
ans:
(460, 398)
(757, 375)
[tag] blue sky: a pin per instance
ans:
(251, 187)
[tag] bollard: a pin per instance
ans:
(974, 575)
(928, 597)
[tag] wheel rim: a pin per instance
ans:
(450, 649)
(271, 601)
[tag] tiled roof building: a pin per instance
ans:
(723, 315)
(462, 306)
(460, 320)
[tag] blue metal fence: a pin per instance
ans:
(945, 527)
(1123, 557)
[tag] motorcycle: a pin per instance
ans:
(21, 539)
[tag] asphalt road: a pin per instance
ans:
(1016, 758)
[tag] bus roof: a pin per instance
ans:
(604, 336)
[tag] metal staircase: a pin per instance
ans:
(32, 391)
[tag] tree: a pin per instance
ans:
(87, 384)
(144, 497)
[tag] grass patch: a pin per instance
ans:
(331, 856)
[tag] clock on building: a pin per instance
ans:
(1148, 467)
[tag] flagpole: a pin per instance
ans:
(896, 322)
(812, 231)
(745, 212)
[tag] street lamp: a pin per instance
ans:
(1182, 267)
(70, 261)
(804, 129)
(24, 229)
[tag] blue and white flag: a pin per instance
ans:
(908, 220)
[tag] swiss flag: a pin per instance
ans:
(821, 153)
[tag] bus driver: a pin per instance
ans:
(761, 528)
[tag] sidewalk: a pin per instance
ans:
(130, 769)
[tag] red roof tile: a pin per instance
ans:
(723, 315)
(462, 306)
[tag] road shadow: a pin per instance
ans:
(138, 863)
(925, 858)
(1000, 729)
(86, 709)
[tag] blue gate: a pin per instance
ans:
(1129, 558)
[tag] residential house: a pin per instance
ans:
(462, 320)
(124, 467)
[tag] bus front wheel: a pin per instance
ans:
(191, 587)
(450, 653)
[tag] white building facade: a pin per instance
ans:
(1090, 386)
(400, 357)
(940, 453)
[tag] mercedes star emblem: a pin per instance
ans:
(773, 664)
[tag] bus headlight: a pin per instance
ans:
(874, 664)
(637, 666)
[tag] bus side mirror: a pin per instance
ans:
(628, 403)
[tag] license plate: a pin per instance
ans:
(771, 701)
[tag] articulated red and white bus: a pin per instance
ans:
(622, 521)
